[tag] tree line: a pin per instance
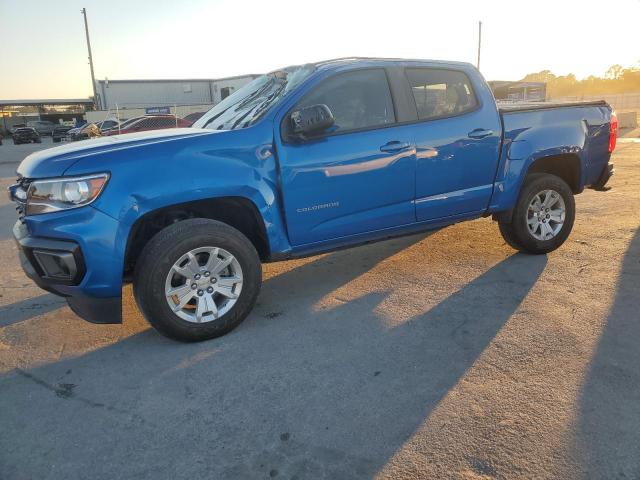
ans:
(617, 79)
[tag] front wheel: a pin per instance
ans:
(543, 217)
(197, 279)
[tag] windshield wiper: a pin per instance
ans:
(257, 93)
(243, 116)
(266, 104)
(259, 107)
(240, 103)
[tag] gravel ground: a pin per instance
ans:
(434, 356)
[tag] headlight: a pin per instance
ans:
(64, 193)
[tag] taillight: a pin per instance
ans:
(613, 132)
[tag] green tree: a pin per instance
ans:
(617, 79)
(614, 72)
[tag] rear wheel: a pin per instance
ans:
(543, 217)
(197, 279)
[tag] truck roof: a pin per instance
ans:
(381, 60)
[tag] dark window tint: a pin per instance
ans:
(225, 92)
(164, 122)
(440, 93)
(158, 122)
(358, 99)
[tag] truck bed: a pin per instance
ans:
(524, 107)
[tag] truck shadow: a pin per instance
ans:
(303, 389)
(609, 408)
(29, 308)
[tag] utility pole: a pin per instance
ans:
(479, 42)
(93, 78)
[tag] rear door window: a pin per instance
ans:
(440, 93)
(358, 99)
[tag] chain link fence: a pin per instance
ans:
(147, 117)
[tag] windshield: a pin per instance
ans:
(251, 102)
(126, 123)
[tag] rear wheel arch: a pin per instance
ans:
(567, 166)
(237, 212)
(519, 230)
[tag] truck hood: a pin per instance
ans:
(53, 162)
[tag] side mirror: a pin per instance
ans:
(310, 120)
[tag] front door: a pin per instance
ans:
(357, 177)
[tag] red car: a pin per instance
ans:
(151, 122)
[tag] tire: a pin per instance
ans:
(509, 237)
(156, 264)
(37, 140)
(56, 140)
(518, 233)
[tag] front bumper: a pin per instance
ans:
(82, 266)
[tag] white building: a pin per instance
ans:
(137, 94)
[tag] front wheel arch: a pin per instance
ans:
(237, 212)
(162, 257)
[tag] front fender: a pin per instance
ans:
(230, 163)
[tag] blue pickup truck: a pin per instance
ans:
(300, 161)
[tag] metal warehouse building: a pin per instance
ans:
(129, 94)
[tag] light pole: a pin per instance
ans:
(93, 79)
(479, 42)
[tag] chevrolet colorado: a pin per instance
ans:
(300, 161)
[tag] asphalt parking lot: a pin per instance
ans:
(10, 153)
(444, 355)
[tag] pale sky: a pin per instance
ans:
(43, 52)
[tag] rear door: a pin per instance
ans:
(359, 176)
(457, 138)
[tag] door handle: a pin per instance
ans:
(479, 133)
(395, 146)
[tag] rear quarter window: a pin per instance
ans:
(440, 93)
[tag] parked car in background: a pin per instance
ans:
(71, 134)
(107, 124)
(123, 124)
(192, 117)
(16, 126)
(151, 122)
(60, 133)
(88, 130)
(26, 135)
(43, 127)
